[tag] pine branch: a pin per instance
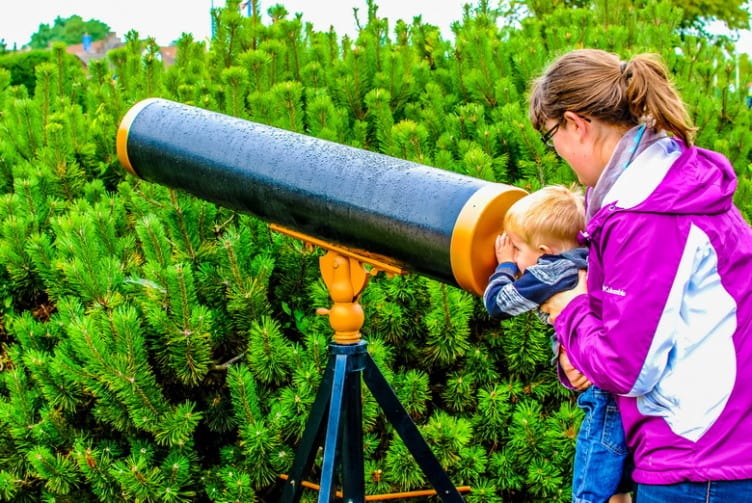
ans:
(57, 471)
(269, 352)
(229, 363)
(447, 324)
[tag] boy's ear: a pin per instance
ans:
(545, 249)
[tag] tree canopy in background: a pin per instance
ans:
(697, 13)
(69, 31)
(694, 13)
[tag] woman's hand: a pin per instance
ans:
(556, 303)
(504, 249)
(576, 378)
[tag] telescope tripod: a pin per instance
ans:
(336, 414)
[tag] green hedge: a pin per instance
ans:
(156, 347)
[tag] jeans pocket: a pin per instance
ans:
(612, 436)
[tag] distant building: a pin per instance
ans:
(89, 49)
(168, 55)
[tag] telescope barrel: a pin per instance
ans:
(428, 220)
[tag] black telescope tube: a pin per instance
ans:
(431, 221)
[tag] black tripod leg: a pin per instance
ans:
(312, 436)
(408, 431)
(326, 491)
(353, 483)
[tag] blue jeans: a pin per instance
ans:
(719, 491)
(601, 460)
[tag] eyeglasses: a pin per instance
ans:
(548, 137)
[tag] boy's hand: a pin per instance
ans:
(504, 249)
(557, 302)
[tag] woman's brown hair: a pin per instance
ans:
(597, 84)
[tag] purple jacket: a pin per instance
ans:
(667, 323)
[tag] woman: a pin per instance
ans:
(665, 319)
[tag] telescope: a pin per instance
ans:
(413, 217)
(364, 208)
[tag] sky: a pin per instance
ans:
(166, 20)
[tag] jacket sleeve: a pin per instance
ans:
(501, 298)
(620, 334)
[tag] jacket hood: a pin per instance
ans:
(670, 178)
(700, 182)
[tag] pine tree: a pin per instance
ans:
(156, 347)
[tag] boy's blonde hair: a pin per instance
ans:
(552, 216)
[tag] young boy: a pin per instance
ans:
(539, 255)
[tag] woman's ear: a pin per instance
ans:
(580, 124)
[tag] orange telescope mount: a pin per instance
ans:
(370, 211)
